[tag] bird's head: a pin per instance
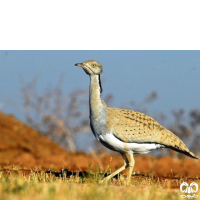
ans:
(91, 67)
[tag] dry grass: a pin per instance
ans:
(34, 185)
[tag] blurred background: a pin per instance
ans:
(46, 91)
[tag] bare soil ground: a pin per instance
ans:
(22, 145)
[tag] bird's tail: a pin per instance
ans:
(192, 155)
(177, 144)
(186, 152)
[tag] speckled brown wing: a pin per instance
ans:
(130, 126)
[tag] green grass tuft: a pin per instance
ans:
(43, 186)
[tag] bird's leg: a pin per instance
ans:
(126, 164)
(131, 165)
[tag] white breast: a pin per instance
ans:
(110, 141)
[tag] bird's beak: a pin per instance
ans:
(79, 64)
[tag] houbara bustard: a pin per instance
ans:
(125, 131)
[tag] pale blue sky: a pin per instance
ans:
(128, 75)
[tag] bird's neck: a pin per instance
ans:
(97, 107)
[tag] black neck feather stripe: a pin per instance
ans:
(100, 84)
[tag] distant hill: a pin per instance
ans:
(21, 144)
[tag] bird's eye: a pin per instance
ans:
(94, 65)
